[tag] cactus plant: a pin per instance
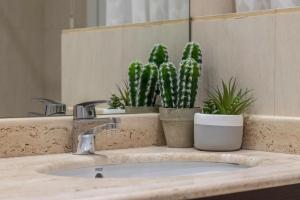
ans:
(192, 50)
(147, 85)
(168, 85)
(159, 55)
(188, 83)
(175, 92)
(134, 74)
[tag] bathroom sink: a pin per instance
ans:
(149, 169)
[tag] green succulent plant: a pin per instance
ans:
(147, 85)
(143, 83)
(161, 77)
(188, 83)
(134, 75)
(228, 101)
(115, 102)
(192, 50)
(159, 55)
(168, 85)
(180, 91)
(123, 99)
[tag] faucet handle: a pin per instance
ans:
(86, 110)
(52, 107)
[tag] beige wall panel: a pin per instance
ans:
(211, 7)
(52, 64)
(242, 48)
(21, 57)
(57, 14)
(94, 61)
(287, 64)
(21, 14)
(30, 52)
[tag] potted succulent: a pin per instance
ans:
(117, 103)
(220, 127)
(178, 94)
(143, 82)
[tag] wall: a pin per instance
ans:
(212, 7)
(95, 60)
(30, 52)
(56, 19)
(21, 55)
(261, 49)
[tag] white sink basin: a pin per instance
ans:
(149, 169)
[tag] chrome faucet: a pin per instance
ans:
(86, 126)
(51, 108)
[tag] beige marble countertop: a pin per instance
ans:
(25, 178)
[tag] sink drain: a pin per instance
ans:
(99, 175)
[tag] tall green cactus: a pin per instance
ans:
(192, 50)
(147, 85)
(159, 55)
(153, 86)
(134, 73)
(188, 83)
(168, 85)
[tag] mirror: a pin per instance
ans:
(217, 7)
(254, 5)
(71, 51)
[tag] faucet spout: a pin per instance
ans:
(86, 140)
(99, 129)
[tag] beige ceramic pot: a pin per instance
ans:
(178, 125)
(140, 110)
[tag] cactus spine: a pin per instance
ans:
(192, 50)
(147, 85)
(159, 55)
(168, 85)
(134, 74)
(188, 83)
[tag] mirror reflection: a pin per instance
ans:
(56, 54)
(50, 60)
(254, 5)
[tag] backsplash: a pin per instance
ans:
(272, 133)
(32, 136)
(37, 136)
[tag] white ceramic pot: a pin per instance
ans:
(218, 132)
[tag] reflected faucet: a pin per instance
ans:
(86, 126)
(51, 108)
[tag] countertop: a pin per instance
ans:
(25, 177)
